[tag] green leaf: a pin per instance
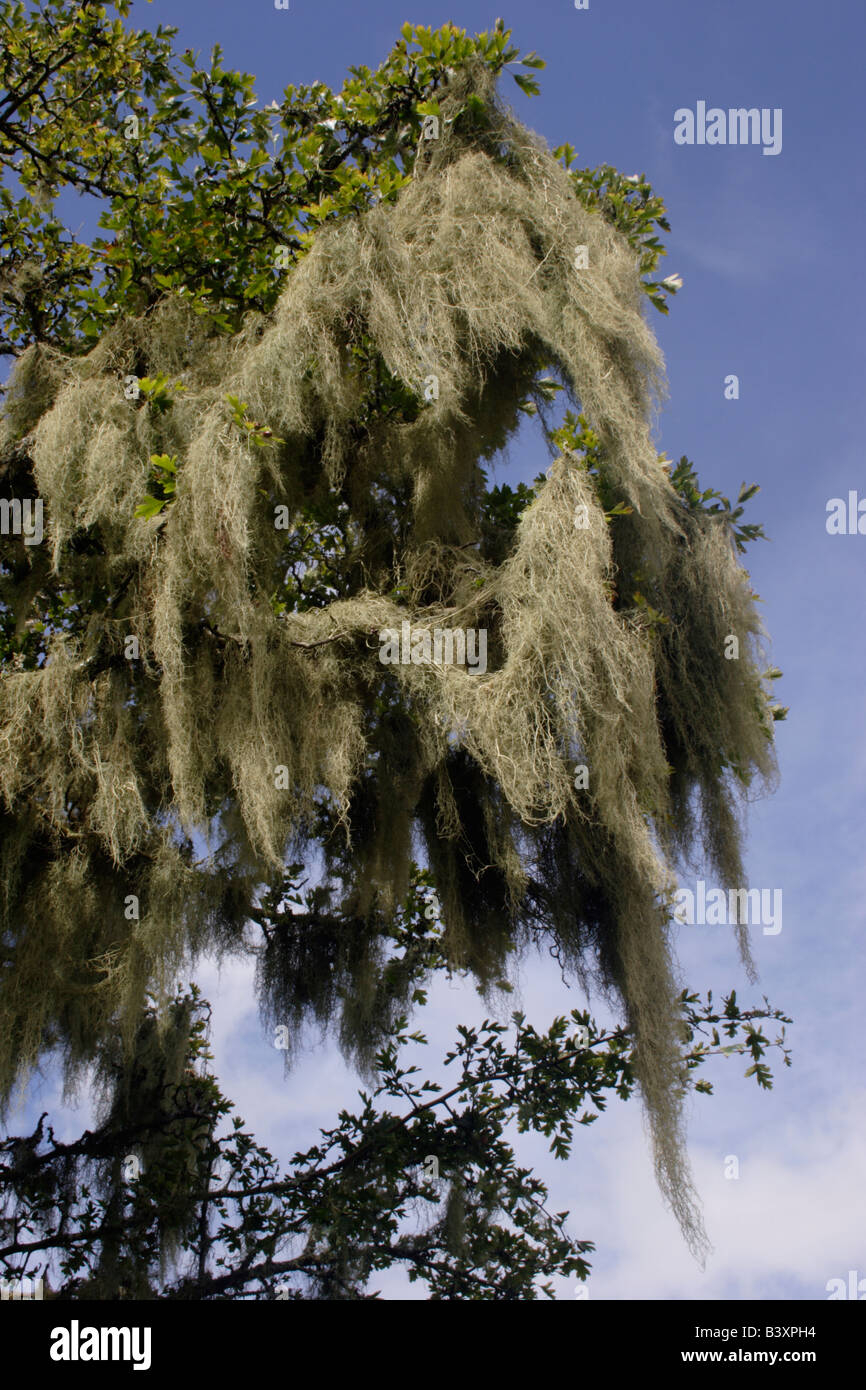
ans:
(151, 506)
(169, 464)
(527, 84)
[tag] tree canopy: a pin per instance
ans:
(259, 408)
(171, 1197)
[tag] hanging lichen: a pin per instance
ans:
(316, 482)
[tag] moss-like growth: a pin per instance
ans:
(272, 726)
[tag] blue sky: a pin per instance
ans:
(770, 249)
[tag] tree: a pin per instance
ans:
(257, 417)
(171, 1197)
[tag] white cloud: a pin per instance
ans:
(792, 1220)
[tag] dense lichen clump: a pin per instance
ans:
(253, 707)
